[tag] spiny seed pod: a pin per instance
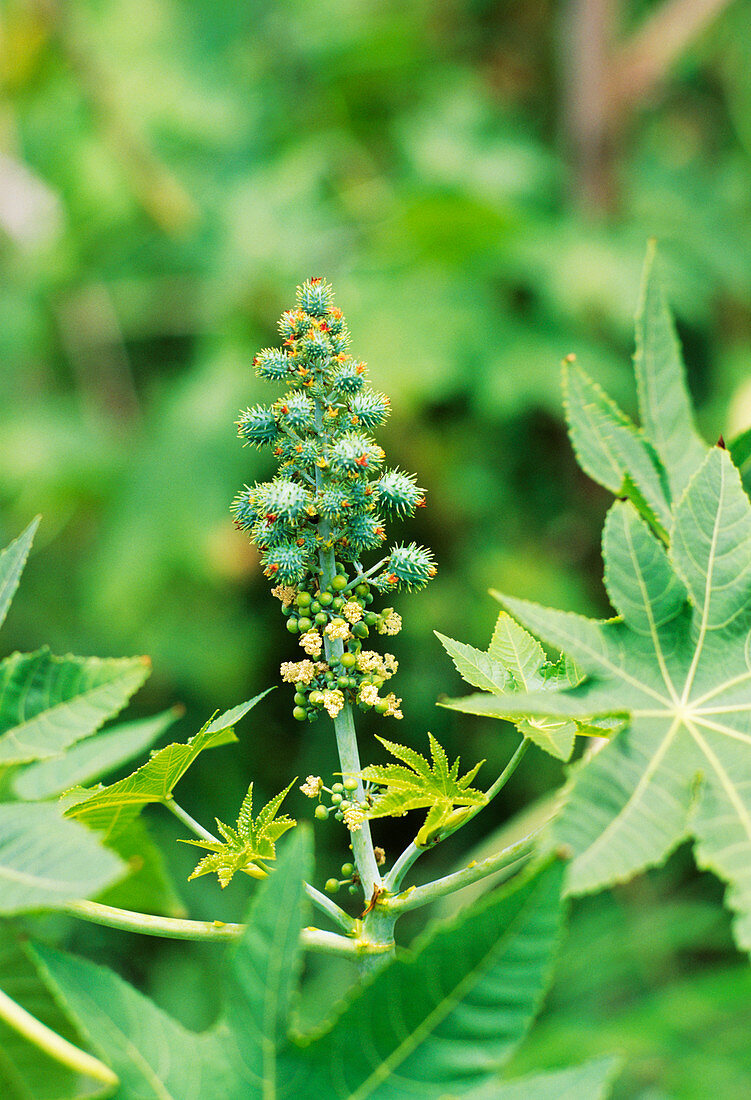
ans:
(273, 364)
(258, 426)
(408, 567)
(321, 513)
(368, 409)
(354, 453)
(399, 493)
(296, 412)
(315, 296)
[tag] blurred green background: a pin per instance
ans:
(478, 180)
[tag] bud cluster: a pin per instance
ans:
(326, 508)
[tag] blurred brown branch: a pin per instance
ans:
(606, 81)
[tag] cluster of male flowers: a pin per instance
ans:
(326, 508)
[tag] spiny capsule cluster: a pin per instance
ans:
(328, 499)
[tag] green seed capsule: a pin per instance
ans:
(337, 788)
(348, 660)
(299, 714)
(315, 698)
(381, 707)
(337, 603)
(370, 618)
(336, 799)
(304, 625)
(321, 618)
(352, 890)
(369, 598)
(286, 611)
(343, 683)
(344, 804)
(347, 869)
(315, 607)
(292, 626)
(325, 599)
(321, 812)
(359, 630)
(338, 583)
(350, 783)
(302, 599)
(300, 699)
(332, 886)
(362, 589)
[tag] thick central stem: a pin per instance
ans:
(344, 723)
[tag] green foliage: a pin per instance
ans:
(247, 847)
(49, 703)
(12, 560)
(515, 662)
(419, 785)
(675, 662)
(46, 861)
(110, 809)
(480, 977)
(25, 1070)
(88, 760)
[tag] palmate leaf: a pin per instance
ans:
(650, 465)
(439, 1021)
(515, 662)
(110, 809)
(247, 846)
(678, 663)
(49, 703)
(437, 787)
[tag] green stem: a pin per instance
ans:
(344, 723)
(53, 1044)
(190, 822)
(505, 775)
(506, 860)
(172, 928)
(394, 878)
(366, 574)
(321, 901)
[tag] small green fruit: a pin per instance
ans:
(347, 870)
(299, 714)
(325, 599)
(338, 583)
(336, 799)
(320, 813)
(292, 625)
(300, 699)
(350, 783)
(337, 788)
(304, 625)
(362, 589)
(302, 599)
(332, 886)
(348, 660)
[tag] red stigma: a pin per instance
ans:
(362, 460)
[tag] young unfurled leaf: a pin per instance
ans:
(420, 785)
(514, 662)
(111, 808)
(249, 845)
